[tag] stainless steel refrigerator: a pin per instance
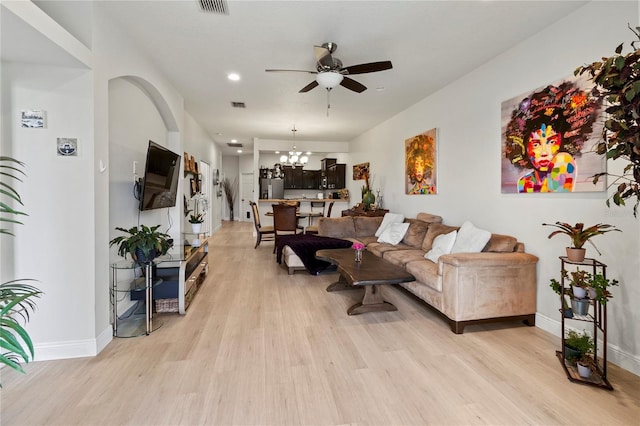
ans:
(271, 188)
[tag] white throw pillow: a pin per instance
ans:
(442, 244)
(388, 219)
(470, 239)
(394, 233)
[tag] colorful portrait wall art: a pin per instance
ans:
(360, 171)
(420, 163)
(549, 137)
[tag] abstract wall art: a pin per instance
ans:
(549, 137)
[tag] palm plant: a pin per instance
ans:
(16, 296)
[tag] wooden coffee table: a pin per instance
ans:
(372, 272)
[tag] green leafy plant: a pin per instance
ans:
(582, 343)
(196, 218)
(557, 287)
(617, 80)
(601, 285)
(142, 242)
(11, 170)
(580, 235)
(17, 297)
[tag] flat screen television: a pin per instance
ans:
(160, 183)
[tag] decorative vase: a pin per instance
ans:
(196, 227)
(575, 254)
(367, 199)
(358, 255)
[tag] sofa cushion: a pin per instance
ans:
(393, 233)
(379, 249)
(433, 231)
(367, 240)
(366, 226)
(388, 219)
(416, 232)
(338, 227)
(470, 239)
(429, 218)
(426, 272)
(501, 244)
(402, 257)
(442, 244)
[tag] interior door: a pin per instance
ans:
(246, 196)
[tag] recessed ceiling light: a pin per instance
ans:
(234, 140)
(277, 152)
(379, 89)
(239, 151)
(308, 152)
(233, 76)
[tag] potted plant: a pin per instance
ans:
(617, 80)
(196, 220)
(577, 345)
(586, 366)
(142, 242)
(230, 191)
(598, 288)
(579, 235)
(557, 287)
(16, 296)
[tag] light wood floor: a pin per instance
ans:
(260, 347)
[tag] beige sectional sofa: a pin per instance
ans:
(496, 284)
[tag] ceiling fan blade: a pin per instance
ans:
(365, 68)
(308, 87)
(323, 55)
(308, 72)
(351, 84)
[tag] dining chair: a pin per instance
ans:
(266, 232)
(285, 221)
(314, 228)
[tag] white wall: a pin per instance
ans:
(467, 115)
(55, 244)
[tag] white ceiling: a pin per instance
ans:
(430, 43)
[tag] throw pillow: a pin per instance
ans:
(470, 239)
(442, 244)
(388, 219)
(394, 233)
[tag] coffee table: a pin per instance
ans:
(370, 273)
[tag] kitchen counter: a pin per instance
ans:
(302, 200)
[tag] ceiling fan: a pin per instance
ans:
(330, 72)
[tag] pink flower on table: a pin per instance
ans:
(357, 246)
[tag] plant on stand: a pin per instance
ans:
(16, 296)
(196, 220)
(557, 287)
(579, 349)
(142, 242)
(580, 235)
(617, 80)
(231, 192)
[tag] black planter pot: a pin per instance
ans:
(142, 258)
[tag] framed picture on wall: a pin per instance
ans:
(549, 136)
(360, 171)
(420, 163)
(33, 119)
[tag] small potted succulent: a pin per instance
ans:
(579, 235)
(142, 242)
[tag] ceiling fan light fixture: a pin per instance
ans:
(329, 79)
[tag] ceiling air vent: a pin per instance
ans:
(214, 6)
(234, 145)
(238, 105)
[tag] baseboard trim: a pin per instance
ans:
(615, 354)
(73, 348)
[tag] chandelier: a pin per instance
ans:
(295, 157)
